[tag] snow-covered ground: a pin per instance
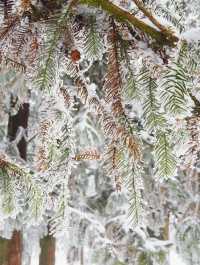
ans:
(175, 259)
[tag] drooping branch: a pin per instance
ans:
(165, 37)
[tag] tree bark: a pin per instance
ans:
(15, 249)
(3, 251)
(47, 255)
(16, 121)
(11, 250)
(166, 228)
(82, 256)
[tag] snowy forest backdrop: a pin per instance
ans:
(99, 132)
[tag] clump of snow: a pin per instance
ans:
(191, 35)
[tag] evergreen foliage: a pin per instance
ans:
(111, 91)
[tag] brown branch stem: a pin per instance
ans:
(149, 15)
(165, 37)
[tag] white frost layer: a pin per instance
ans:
(191, 35)
(175, 259)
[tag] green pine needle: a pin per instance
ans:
(93, 46)
(48, 60)
(153, 119)
(164, 158)
(174, 92)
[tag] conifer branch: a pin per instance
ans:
(113, 81)
(149, 15)
(163, 38)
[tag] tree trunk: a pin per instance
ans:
(15, 249)
(3, 251)
(47, 255)
(16, 121)
(11, 250)
(82, 256)
(166, 227)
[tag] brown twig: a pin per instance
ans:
(149, 15)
